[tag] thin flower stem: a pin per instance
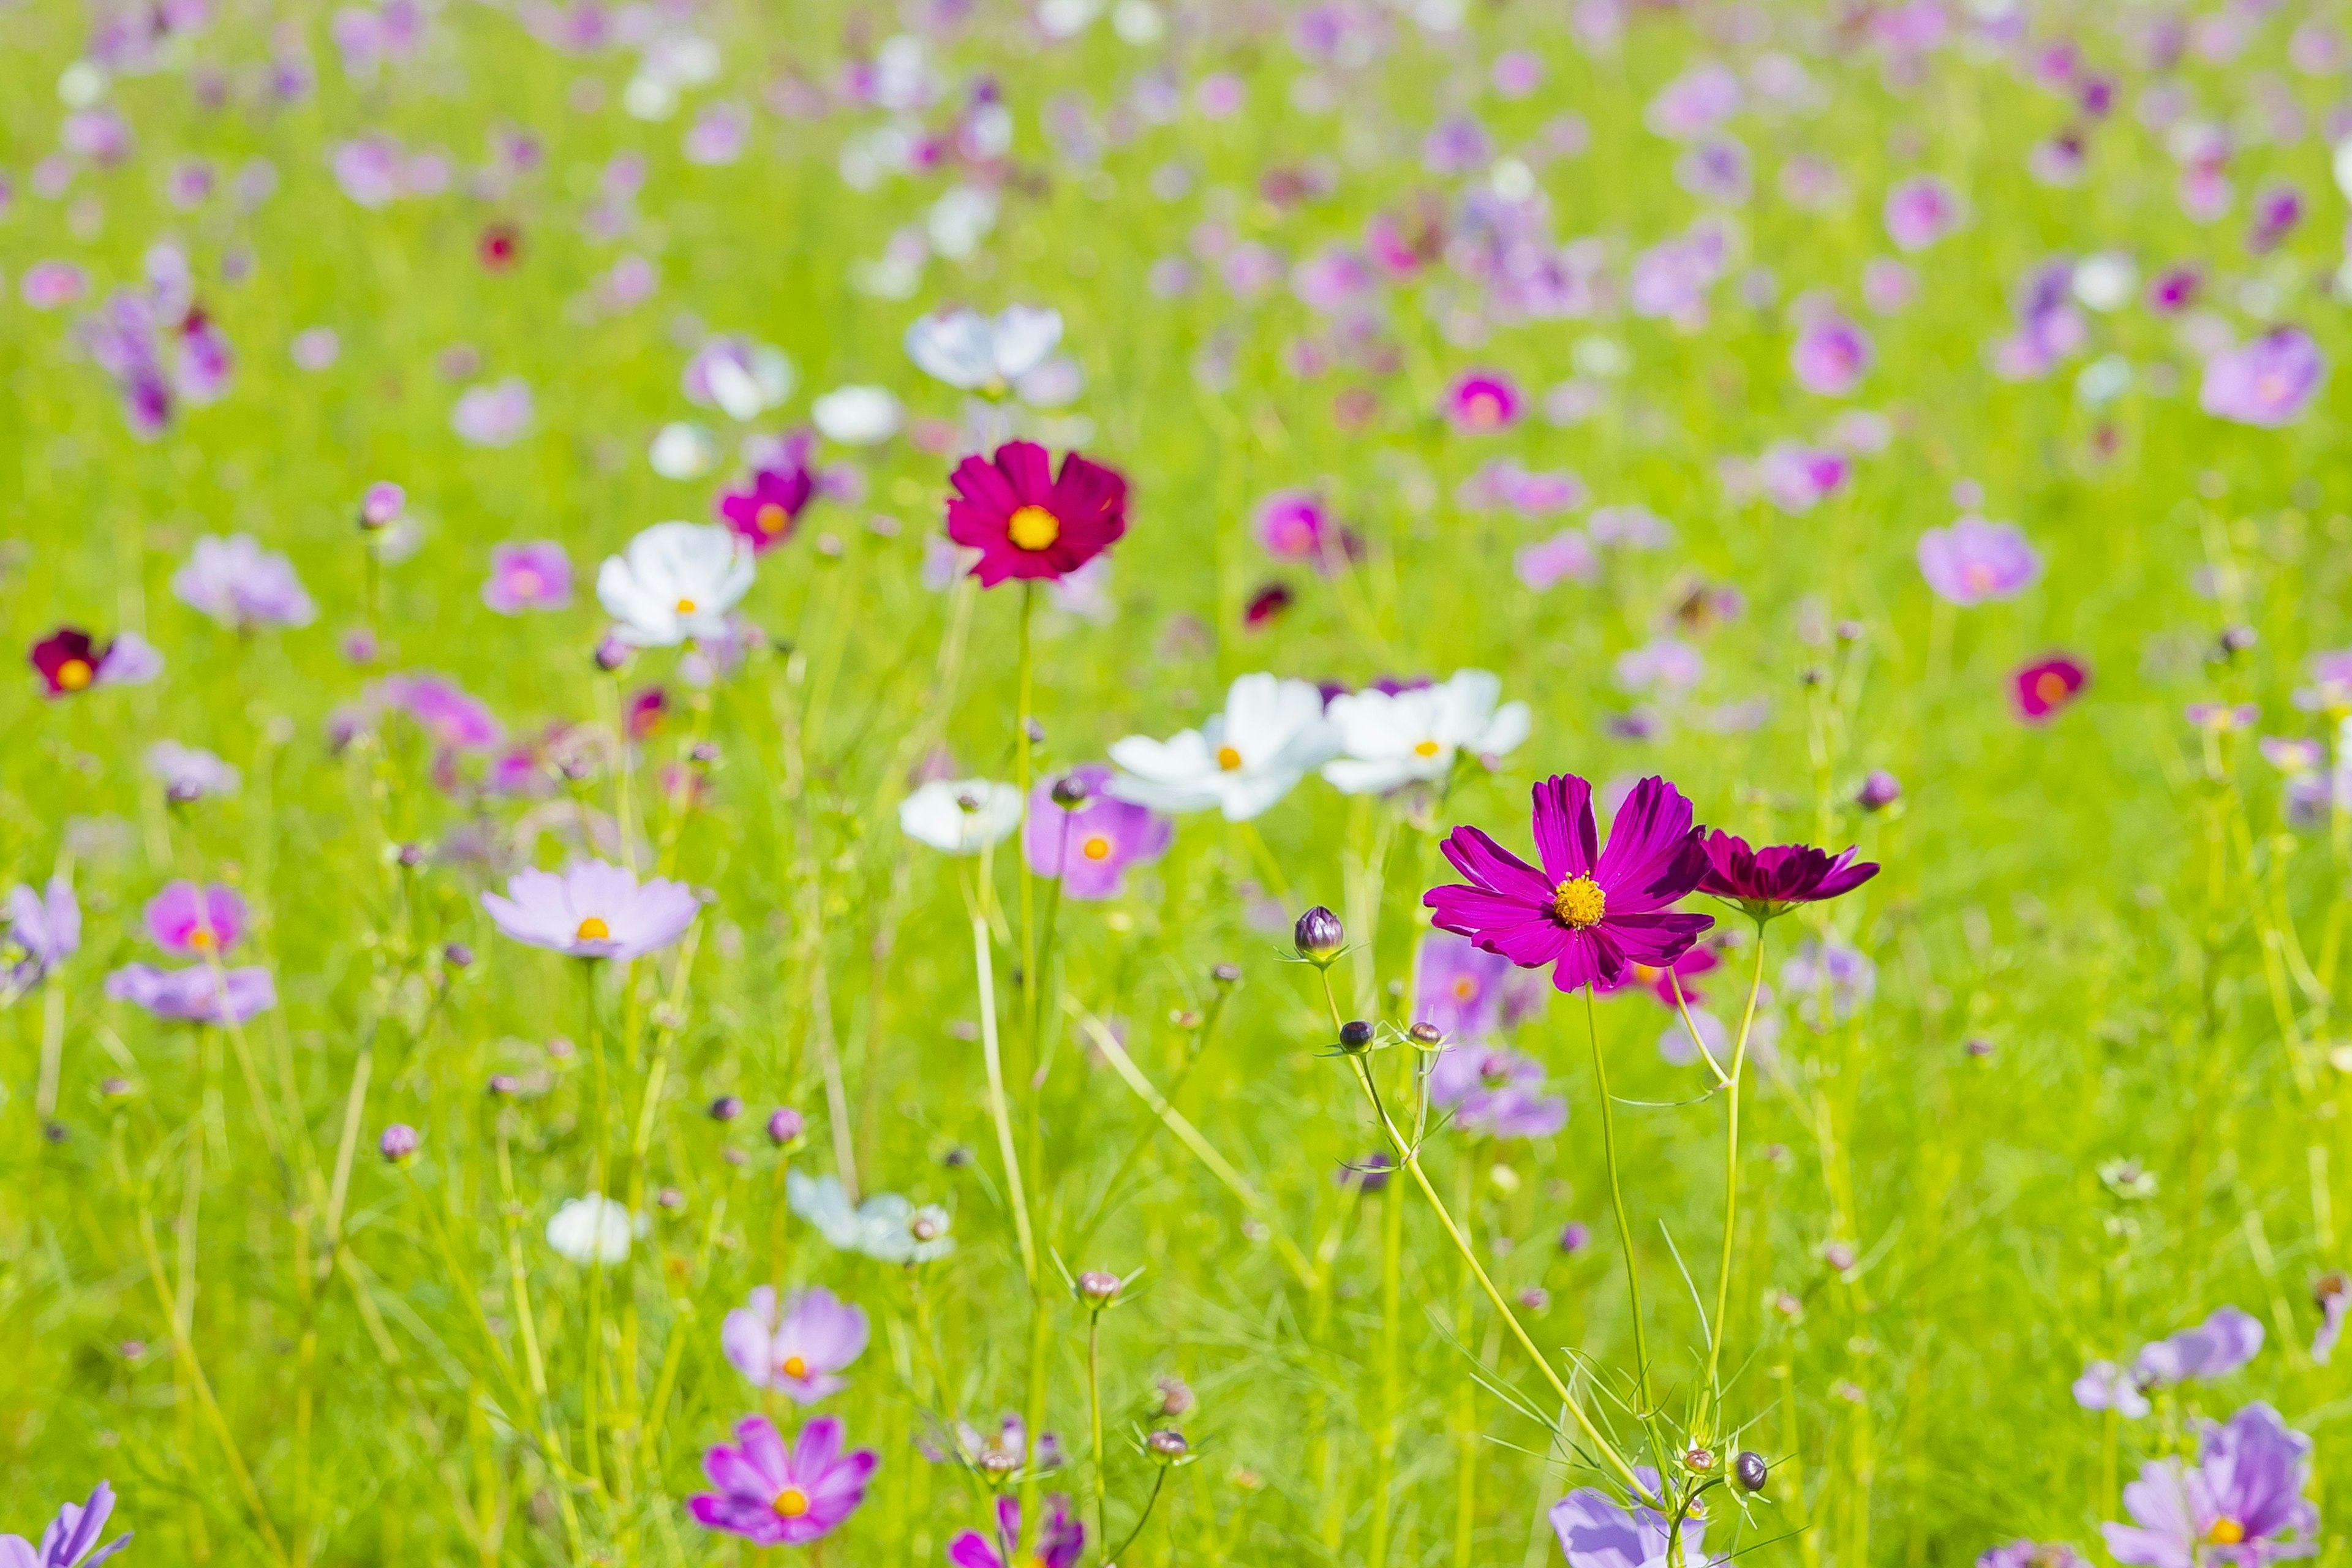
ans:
(1731, 1173)
(594, 1352)
(1094, 1414)
(1617, 1202)
(1110, 1560)
(1017, 1198)
(1410, 1158)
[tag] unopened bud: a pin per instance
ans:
(1069, 792)
(398, 1143)
(381, 505)
(1098, 1288)
(726, 1108)
(1167, 1445)
(458, 956)
(1226, 975)
(1879, 791)
(785, 1126)
(1427, 1036)
(1749, 1470)
(1355, 1035)
(1700, 1459)
(1320, 936)
(2237, 639)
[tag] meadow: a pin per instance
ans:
(994, 783)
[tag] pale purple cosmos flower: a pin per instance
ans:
(44, 927)
(1666, 662)
(1633, 527)
(2032, 1554)
(1456, 145)
(1480, 401)
(2330, 690)
(441, 708)
(533, 576)
(71, 1538)
(800, 1353)
(1831, 355)
(1091, 845)
(1693, 102)
(1467, 992)
(189, 773)
(52, 284)
(2224, 1342)
(2266, 383)
(1717, 170)
(1061, 1540)
(185, 919)
(1974, 561)
(1842, 972)
(2103, 1385)
(494, 414)
(1595, 1531)
(200, 995)
(1920, 210)
(775, 1496)
(2241, 1504)
(592, 910)
(1566, 554)
(1492, 1092)
(1797, 477)
(1504, 482)
(239, 583)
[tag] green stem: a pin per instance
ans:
(1731, 1176)
(1617, 1202)
(1094, 1413)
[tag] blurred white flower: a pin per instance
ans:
(857, 415)
(675, 581)
(1389, 740)
(1241, 761)
(963, 816)
(1138, 22)
(2106, 281)
(885, 1226)
(741, 378)
(682, 451)
(960, 220)
(593, 1229)
(968, 350)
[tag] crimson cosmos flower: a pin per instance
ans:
(2045, 686)
(1029, 522)
(765, 511)
(1591, 913)
(1775, 879)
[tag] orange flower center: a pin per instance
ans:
(73, 675)
(592, 929)
(1427, 748)
(794, 1367)
(200, 939)
(770, 519)
(2050, 686)
(1482, 409)
(790, 1503)
(1579, 901)
(1096, 849)
(685, 607)
(1465, 987)
(1228, 759)
(1033, 528)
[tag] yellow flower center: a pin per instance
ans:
(1033, 528)
(794, 1367)
(1096, 849)
(200, 939)
(685, 607)
(1579, 901)
(1427, 748)
(2225, 1532)
(790, 1503)
(770, 519)
(1465, 987)
(1228, 759)
(73, 675)
(2050, 686)
(592, 929)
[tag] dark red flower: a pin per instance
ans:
(2045, 686)
(67, 659)
(767, 510)
(501, 247)
(1029, 522)
(1775, 879)
(1264, 606)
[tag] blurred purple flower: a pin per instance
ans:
(2266, 383)
(533, 576)
(240, 584)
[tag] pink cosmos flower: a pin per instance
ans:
(1294, 525)
(533, 576)
(1028, 522)
(1090, 847)
(1566, 554)
(2266, 383)
(1481, 402)
(592, 910)
(441, 708)
(775, 1496)
(800, 1353)
(1974, 561)
(199, 995)
(1587, 912)
(1830, 356)
(186, 918)
(2043, 688)
(239, 583)
(1061, 1540)
(766, 510)
(1920, 210)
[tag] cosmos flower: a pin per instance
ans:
(240, 584)
(592, 910)
(2266, 383)
(1028, 522)
(1481, 402)
(764, 513)
(595, 1229)
(675, 581)
(2242, 1503)
(1493, 1093)
(1061, 1540)
(961, 816)
(494, 414)
(69, 660)
(200, 995)
(1588, 912)
(1389, 740)
(2103, 1385)
(439, 706)
(45, 928)
(2037, 690)
(185, 919)
(1296, 525)
(1919, 211)
(1769, 883)
(2032, 1554)
(1974, 561)
(1467, 993)
(1664, 980)
(1797, 477)
(741, 378)
(1595, 1531)
(775, 1496)
(533, 576)
(1831, 355)
(1090, 847)
(1566, 554)
(886, 1225)
(800, 1353)
(2224, 1342)
(189, 773)
(71, 1538)
(979, 354)
(857, 415)
(1241, 761)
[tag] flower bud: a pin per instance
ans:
(458, 956)
(671, 1198)
(704, 753)
(1167, 1445)
(1176, 1396)
(1701, 1459)
(925, 1227)
(1573, 1236)
(1355, 1035)
(1426, 1036)
(381, 505)
(409, 856)
(1226, 975)
(726, 1108)
(1069, 792)
(1098, 1288)
(1879, 791)
(1749, 1469)
(996, 1463)
(505, 1083)
(611, 652)
(785, 1126)
(2237, 639)
(1838, 1256)
(398, 1143)
(1320, 936)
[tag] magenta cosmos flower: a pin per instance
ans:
(1029, 522)
(186, 918)
(592, 910)
(1974, 561)
(1061, 1541)
(533, 576)
(69, 660)
(1588, 912)
(2044, 687)
(801, 1352)
(1481, 402)
(1769, 883)
(766, 510)
(2266, 383)
(1294, 525)
(1091, 845)
(775, 1496)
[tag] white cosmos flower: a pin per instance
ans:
(682, 451)
(857, 415)
(593, 1229)
(1241, 761)
(968, 350)
(962, 817)
(885, 1226)
(675, 581)
(1391, 741)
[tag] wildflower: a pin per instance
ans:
(1880, 789)
(70, 1538)
(675, 581)
(71, 660)
(742, 378)
(1480, 401)
(1974, 561)
(800, 1353)
(1566, 554)
(2242, 1503)
(979, 354)
(1090, 845)
(1771, 881)
(1589, 913)
(189, 772)
(1595, 1531)
(494, 414)
(764, 513)
(2334, 1295)
(1830, 356)
(185, 919)
(1297, 525)
(2031, 1554)
(2103, 1385)
(2041, 689)
(439, 706)
(592, 909)
(1842, 973)
(1465, 993)
(775, 1496)
(1919, 211)
(45, 928)
(786, 1127)
(200, 995)
(1241, 761)
(2266, 383)
(593, 1229)
(1390, 739)
(885, 1226)
(857, 415)
(1028, 522)
(1492, 1092)
(1061, 1541)
(963, 816)
(381, 505)
(2224, 1342)
(399, 1142)
(240, 584)
(534, 576)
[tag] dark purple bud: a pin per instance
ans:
(1427, 1036)
(1574, 1237)
(458, 956)
(398, 1143)
(1879, 791)
(1320, 936)
(1749, 1469)
(1355, 1035)
(1069, 792)
(726, 1108)
(2237, 639)
(958, 1156)
(785, 1126)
